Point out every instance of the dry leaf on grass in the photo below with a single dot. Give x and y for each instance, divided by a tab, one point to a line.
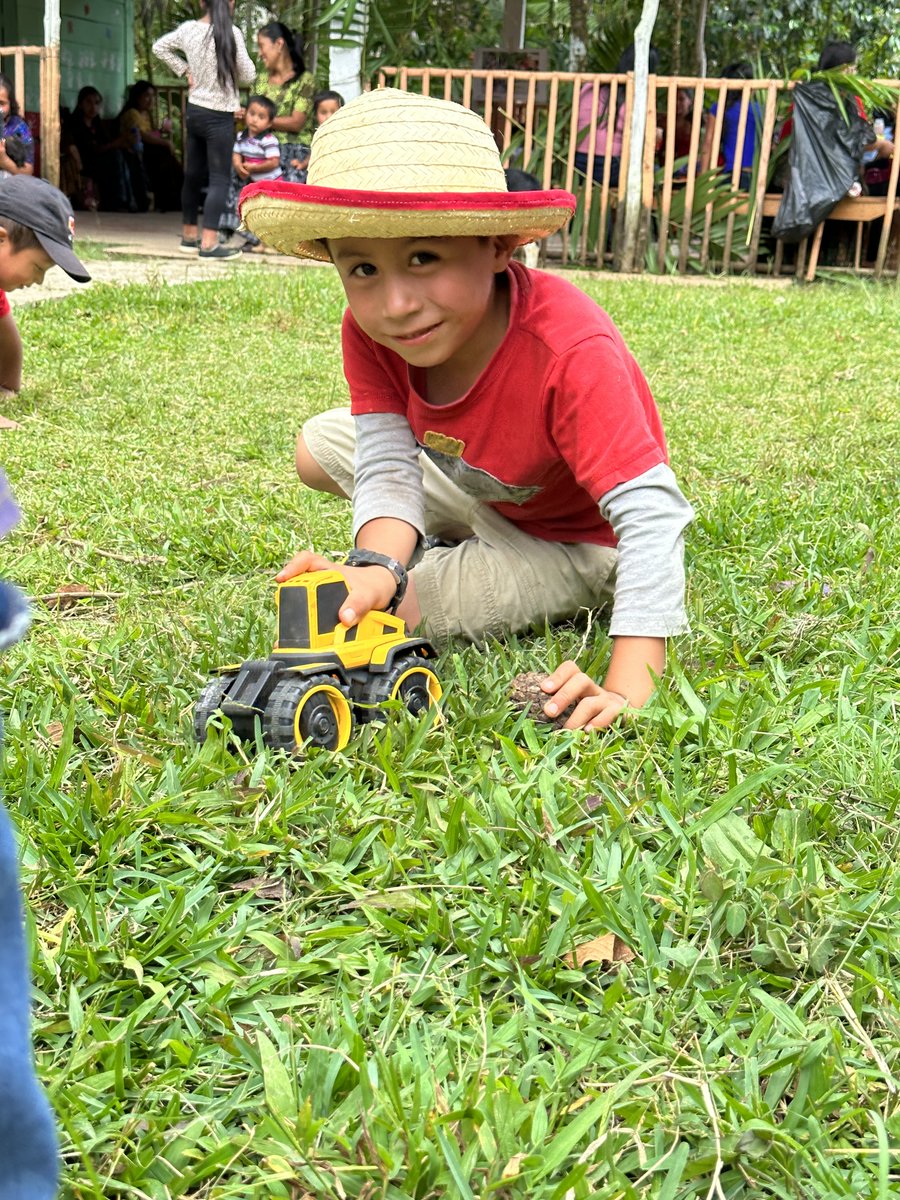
265	888
511	1170
606	949
55	732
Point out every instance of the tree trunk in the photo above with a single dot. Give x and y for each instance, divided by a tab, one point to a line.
578	36
634	214
700	42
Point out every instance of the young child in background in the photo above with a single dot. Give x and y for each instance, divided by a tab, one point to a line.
324	105
492	407
36	231
257	152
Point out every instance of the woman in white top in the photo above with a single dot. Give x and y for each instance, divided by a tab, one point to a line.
212	53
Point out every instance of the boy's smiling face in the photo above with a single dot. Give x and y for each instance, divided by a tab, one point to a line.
433	301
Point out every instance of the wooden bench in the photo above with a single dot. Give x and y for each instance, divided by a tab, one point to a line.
861	209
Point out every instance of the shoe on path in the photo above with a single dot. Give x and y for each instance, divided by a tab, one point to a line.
219	253
189	245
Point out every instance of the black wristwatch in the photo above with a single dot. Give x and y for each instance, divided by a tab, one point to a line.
371	558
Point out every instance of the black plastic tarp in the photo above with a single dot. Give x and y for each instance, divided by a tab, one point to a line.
823	160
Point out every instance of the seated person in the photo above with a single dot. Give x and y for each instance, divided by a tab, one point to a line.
16	142
92	166
728	147
160	171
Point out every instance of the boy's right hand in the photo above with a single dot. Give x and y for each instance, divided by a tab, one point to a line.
370	587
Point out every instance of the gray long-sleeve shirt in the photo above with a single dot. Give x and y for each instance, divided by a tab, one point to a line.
648	515
196	44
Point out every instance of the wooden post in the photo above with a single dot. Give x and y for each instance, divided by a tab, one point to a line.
49	76
513	34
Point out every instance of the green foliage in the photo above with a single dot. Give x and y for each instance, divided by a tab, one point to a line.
346	976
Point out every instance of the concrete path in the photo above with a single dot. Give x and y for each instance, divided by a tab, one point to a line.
141	248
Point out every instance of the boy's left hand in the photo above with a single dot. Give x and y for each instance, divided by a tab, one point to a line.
595	708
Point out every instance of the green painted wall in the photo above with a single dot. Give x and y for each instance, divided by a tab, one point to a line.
96	46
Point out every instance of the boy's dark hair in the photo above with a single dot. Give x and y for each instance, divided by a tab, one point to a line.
20	236
16	150
9	87
264	102
326	95
836	54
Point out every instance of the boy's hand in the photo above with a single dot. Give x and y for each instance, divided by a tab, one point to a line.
370	587
595	708
242	171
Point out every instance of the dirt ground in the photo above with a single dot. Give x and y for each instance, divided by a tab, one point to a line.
141	248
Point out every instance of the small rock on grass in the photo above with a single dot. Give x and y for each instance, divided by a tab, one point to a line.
527	695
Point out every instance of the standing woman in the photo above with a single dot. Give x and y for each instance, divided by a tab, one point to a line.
287	83
283	79
215	60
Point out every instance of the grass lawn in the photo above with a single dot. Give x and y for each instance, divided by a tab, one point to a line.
390	1009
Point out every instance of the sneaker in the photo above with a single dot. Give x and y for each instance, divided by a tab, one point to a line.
220	252
189	245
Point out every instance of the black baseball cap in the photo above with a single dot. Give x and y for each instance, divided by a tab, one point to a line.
43	209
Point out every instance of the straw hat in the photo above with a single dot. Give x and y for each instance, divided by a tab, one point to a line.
394	164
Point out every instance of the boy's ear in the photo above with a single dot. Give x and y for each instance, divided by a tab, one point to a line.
504	247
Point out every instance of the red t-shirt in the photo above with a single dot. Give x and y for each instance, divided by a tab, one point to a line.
560	415
4	304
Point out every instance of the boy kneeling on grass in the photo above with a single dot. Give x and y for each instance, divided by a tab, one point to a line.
36	230
495	411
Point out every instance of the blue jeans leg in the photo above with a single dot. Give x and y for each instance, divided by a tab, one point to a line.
28	1153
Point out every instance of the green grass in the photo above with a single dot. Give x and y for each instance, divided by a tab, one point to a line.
395	1016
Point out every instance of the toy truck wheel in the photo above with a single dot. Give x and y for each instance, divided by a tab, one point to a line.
210	701
415	685
307	712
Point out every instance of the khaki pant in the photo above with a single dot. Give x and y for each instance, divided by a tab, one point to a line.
498	579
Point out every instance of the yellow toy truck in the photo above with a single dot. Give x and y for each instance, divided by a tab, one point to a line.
320	676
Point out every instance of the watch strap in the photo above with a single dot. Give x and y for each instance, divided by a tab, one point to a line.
371	558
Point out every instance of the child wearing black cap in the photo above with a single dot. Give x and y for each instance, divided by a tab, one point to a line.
36	232
37	229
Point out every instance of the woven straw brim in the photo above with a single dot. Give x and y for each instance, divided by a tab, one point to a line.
293	217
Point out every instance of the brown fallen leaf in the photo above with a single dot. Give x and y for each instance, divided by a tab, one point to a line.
55	732
8	423
868	559
605	949
265	888
527	695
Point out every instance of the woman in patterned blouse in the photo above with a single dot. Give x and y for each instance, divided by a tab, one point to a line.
287	83
284	79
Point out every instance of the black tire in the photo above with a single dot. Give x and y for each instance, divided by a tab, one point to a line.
307	712
210	701
409	680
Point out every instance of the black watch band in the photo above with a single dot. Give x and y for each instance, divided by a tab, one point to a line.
371	558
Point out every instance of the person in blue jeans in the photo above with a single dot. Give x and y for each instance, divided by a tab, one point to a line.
28	1153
